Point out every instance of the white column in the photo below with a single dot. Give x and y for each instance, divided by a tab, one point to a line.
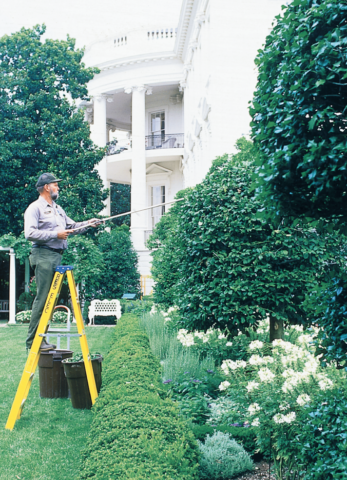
99	137
12	302
138	172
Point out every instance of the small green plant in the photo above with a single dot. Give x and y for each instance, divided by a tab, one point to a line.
78	357
243	434
222	457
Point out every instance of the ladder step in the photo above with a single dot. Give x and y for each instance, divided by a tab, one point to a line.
52	334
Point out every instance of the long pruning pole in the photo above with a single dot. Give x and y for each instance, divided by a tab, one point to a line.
128	213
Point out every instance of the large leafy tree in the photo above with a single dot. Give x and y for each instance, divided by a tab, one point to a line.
120	202
40	128
230	266
299	110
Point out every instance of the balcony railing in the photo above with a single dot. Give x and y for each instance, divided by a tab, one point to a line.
172	140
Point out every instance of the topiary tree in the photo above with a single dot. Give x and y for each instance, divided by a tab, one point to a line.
40	128
299	110
231	267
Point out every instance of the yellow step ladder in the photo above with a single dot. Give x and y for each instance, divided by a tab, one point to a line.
34	354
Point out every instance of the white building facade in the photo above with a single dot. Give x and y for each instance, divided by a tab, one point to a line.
181	94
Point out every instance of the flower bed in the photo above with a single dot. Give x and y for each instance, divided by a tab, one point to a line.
136	431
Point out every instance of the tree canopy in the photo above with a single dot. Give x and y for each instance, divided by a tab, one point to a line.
40	128
230	267
299	110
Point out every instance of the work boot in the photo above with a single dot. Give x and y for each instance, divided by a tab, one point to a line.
47	346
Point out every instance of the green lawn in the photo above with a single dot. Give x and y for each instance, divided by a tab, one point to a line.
46	442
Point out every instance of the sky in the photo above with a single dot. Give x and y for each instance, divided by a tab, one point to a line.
87	20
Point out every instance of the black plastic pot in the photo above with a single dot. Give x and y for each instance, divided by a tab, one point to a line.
53	382
76	376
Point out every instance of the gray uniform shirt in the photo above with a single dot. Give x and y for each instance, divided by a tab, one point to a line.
43	221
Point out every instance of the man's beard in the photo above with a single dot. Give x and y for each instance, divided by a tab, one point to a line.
54	195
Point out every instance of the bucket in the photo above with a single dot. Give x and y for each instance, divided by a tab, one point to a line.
53	382
78	384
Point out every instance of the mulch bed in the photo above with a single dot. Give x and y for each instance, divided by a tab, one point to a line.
260	472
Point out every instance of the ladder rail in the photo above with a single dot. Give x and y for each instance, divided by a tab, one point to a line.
34	354
83	339
42	329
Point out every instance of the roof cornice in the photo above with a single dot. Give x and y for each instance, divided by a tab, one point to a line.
183	26
136	59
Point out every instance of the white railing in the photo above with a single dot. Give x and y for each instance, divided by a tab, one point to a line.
120	42
156	34
161	34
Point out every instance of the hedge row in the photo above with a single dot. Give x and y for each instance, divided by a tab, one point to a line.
136	431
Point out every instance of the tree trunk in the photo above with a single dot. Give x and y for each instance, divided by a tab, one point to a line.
276	329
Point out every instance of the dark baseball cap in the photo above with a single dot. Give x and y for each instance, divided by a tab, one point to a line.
46	178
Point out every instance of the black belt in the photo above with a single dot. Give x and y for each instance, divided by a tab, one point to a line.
56	250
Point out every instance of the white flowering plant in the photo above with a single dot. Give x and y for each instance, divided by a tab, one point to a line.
273	389
212	343
23	317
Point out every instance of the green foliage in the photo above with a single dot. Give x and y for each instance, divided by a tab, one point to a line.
274	391
230	266
298	110
245	436
40	128
322	438
25	301
107	263
19	244
120	274
120	202
222	457
23	317
138	307
136	432
165	247
78	357
330	304
88	261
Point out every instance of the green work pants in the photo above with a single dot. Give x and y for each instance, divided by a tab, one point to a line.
45	262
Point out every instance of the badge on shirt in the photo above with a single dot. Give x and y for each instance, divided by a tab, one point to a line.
47	212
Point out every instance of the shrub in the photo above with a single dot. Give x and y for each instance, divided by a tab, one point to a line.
322	438
245	436
330	312
137	307
232	267
23	317
222	457
25	301
299	111
136	431
273	391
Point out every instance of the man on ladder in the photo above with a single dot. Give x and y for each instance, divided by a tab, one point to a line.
47	226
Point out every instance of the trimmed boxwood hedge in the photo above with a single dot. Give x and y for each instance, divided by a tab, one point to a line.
136	431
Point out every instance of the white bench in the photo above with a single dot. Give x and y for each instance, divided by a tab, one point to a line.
104	308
